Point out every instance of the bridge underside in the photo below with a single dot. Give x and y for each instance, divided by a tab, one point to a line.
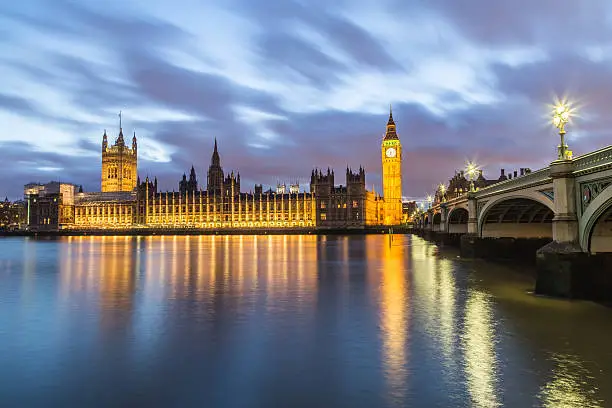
601	235
458	221
518	218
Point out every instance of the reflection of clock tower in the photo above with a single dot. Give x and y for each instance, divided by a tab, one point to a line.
392	174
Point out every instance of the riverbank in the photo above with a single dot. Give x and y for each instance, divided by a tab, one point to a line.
209	231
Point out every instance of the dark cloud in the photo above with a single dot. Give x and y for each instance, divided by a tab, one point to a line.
281	18
16	104
300	57
558	24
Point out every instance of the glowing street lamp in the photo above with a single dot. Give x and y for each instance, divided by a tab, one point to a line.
561	116
471	170
429	199
442	189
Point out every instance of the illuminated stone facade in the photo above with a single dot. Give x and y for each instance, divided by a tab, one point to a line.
391	151
348	206
119	165
127	203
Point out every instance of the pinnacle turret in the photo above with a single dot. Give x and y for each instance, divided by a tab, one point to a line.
391	133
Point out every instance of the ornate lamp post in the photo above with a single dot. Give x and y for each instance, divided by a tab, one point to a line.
429	199
561	116
442	190
471	170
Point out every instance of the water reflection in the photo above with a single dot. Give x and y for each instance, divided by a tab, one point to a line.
479	349
571	385
286	321
446	305
395	316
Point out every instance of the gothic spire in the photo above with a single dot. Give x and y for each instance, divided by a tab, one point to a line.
120	141
104	141
390	121
216	161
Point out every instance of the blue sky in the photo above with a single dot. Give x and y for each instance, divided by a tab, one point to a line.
289	85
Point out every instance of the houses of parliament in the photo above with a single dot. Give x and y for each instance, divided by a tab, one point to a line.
127	202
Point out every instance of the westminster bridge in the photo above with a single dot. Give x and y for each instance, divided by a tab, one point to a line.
560	215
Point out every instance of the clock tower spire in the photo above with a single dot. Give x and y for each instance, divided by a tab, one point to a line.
391	150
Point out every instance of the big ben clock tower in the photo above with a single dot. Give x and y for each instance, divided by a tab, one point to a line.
391	149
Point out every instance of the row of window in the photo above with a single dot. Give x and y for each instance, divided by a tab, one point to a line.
113	173
226	208
354	204
271	217
355	217
93	211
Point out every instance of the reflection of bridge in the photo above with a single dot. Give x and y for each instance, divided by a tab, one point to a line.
563	211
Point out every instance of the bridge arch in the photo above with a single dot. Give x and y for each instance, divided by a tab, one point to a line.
457	222
596	229
426	221
517	216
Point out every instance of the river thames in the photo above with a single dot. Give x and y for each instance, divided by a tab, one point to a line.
287	321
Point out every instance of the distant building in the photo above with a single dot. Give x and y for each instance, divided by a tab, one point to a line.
12	215
408	209
344	206
126	202
460	185
49	206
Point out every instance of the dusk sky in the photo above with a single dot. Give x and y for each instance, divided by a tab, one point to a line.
289	85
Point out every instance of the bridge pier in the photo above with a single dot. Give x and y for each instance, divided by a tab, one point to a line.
565	272
562	265
522	250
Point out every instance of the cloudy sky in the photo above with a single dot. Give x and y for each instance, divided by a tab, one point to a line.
287	85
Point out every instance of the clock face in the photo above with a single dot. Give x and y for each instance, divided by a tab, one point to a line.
391	152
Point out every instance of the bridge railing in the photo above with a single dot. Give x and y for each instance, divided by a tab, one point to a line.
586	162
594	159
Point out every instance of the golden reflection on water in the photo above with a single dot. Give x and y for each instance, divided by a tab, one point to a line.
281	273
479	350
570	386
446	306
106	266
110	267
395	315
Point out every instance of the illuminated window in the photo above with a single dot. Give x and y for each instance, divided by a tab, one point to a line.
355	204
323	205
323	217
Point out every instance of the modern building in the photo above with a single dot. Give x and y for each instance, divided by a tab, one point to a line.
408	209
126	202
12	215
49	206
